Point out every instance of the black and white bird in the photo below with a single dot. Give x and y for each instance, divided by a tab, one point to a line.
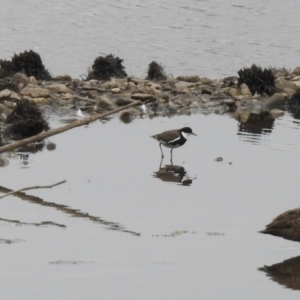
173	138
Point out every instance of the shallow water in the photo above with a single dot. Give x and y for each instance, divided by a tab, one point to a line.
210	38
150	238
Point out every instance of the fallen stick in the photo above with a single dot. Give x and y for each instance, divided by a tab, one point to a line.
58	130
32	188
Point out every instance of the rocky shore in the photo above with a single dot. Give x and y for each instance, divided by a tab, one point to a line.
173	96
27	90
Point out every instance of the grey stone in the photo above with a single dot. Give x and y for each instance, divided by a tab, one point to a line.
181	85
20	78
275	101
143	97
35	92
5	94
104	103
192	78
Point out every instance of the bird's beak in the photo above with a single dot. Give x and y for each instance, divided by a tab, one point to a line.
194	134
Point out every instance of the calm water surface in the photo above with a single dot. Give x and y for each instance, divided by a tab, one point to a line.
119	230
150	238
210	38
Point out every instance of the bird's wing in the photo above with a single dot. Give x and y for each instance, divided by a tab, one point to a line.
168	136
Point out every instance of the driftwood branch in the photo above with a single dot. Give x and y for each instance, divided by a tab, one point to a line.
58	130
32	188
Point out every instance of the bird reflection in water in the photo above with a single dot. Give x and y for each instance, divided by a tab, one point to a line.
286	273
173	173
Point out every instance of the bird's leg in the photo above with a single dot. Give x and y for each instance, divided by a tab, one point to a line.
162	154
161	163
171	160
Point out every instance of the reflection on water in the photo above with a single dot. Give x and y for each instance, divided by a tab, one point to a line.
173	173
65	209
286	273
257	124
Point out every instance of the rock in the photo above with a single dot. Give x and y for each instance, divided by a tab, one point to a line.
67	97
63	77
211	104
39	101
290	92
275	101
192	78
229	102
14	96
182	100
205	98
123	101
152	91
143	97
282	84
104	103
4	111
116	90
206	80
20	79
172	108
245	90
126	116
58	88
10	104
181	85
234	92
194	104
276	113
296	71
206	90
134	80
156	86
166	87
5	94
33	81
297	83
35	92
115	83
296	78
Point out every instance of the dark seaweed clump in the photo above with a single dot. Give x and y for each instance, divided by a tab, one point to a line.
6	84
28	62
156	72
27	120
293	105
106	67
258	80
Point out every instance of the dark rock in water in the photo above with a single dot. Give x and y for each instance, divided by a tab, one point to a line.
106	67
156	72
51	146
258	80
286	225
126	116
26	120
28	62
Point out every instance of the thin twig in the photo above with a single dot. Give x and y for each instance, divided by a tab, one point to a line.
32	188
